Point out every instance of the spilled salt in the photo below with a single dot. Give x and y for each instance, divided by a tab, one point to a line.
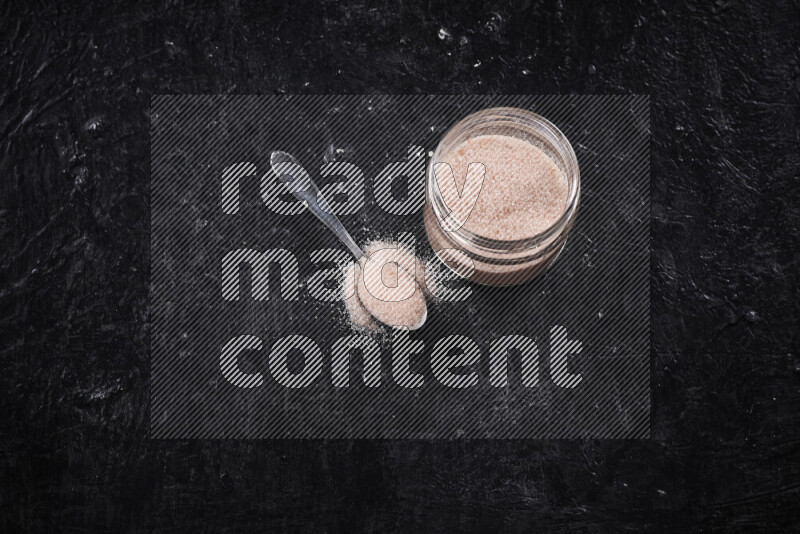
360	318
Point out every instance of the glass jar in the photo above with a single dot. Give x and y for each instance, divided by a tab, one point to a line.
491	261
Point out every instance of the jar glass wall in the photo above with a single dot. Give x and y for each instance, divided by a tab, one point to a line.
492	261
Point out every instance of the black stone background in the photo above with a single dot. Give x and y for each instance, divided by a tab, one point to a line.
724	79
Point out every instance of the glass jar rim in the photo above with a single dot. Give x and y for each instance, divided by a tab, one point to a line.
547	132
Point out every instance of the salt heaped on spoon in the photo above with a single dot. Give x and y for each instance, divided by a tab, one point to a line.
394	257
383	285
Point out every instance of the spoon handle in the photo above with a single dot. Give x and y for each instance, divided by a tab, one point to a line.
290	172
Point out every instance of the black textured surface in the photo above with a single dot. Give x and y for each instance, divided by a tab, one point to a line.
724	83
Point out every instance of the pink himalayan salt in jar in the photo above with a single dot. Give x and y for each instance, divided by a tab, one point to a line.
527	203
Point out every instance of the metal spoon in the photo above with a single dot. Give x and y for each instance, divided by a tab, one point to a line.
290	172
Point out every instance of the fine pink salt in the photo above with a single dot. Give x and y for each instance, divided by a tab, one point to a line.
376	297
523	191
